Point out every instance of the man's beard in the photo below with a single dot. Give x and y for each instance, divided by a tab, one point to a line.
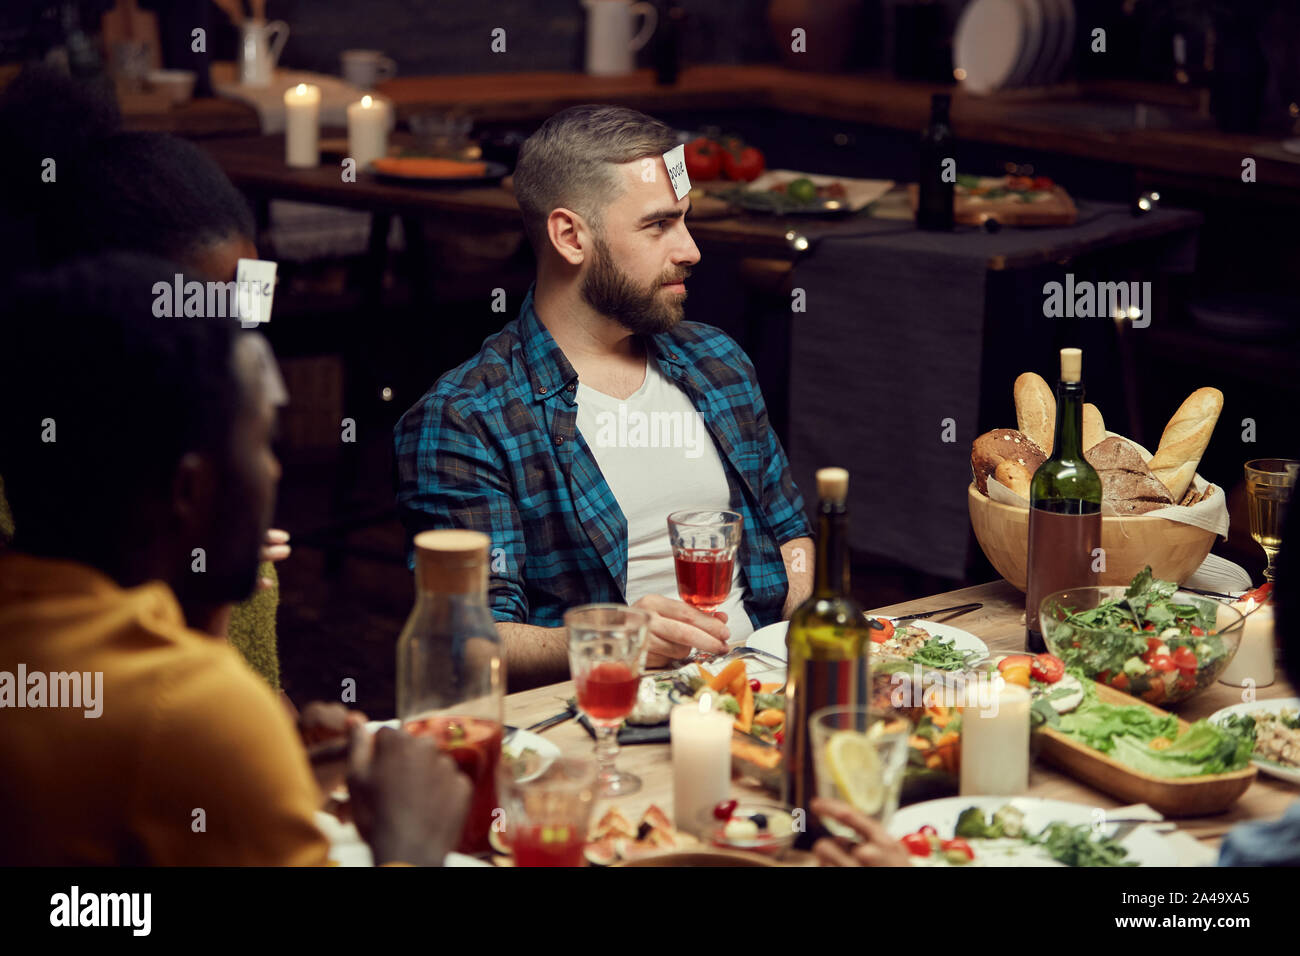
641	310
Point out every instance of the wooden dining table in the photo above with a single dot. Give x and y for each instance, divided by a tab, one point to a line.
1000	624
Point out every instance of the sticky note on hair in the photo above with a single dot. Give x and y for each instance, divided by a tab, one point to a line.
255	287
675	160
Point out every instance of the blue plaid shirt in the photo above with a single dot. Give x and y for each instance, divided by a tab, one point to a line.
494	446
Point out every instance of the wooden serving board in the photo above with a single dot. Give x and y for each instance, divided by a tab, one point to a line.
1057	210
1181	797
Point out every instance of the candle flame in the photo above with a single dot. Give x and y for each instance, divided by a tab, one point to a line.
302	89
366	102
706	703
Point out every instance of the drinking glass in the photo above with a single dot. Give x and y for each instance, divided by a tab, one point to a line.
547	817
859	755
607	648
1269	483
704	555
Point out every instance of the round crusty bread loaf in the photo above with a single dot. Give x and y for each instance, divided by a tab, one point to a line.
1002	444
1127	484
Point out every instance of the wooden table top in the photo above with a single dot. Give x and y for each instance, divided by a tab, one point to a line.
256	165
1000	624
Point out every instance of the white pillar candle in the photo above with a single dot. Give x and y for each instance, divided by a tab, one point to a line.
302	125
367	130
1254	660
701	744
995	744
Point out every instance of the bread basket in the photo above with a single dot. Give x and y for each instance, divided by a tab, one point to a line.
1173	549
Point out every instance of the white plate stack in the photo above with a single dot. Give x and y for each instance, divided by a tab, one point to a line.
1006	44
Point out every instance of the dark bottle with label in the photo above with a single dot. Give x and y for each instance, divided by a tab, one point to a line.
1064	507
828	643
936	184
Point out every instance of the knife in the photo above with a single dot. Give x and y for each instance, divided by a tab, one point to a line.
956	609
549	722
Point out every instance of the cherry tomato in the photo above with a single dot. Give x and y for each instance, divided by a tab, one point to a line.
1103	677
742	162
1185	659
917	844
755	684
1047	668
779	737
1149	627
1120	681
959	845
885	632
1162	662
1043	182
1186	681
703	159
928	830
724	809
1153	643
1197	632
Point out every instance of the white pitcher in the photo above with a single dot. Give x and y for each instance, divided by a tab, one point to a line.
260	44
610	39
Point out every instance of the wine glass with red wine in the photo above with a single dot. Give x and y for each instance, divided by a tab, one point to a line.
704	555
607	648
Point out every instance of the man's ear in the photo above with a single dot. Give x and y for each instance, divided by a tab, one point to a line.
569	235
194	492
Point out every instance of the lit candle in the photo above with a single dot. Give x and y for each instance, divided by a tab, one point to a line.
367	130
1254	660
701	743
302	125
995	744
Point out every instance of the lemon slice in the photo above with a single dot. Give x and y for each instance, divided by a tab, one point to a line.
855	768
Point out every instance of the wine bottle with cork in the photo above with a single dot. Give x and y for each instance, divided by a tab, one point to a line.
828	643
1064	507
450	668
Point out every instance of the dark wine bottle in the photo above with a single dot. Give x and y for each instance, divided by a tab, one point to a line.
1064	507
935	184
668	42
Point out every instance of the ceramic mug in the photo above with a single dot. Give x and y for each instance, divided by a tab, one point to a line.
366	69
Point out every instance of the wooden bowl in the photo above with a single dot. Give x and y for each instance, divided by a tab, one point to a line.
1173	549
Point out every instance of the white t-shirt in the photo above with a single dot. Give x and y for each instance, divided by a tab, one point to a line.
658	457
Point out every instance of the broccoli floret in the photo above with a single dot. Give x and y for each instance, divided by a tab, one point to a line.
971	824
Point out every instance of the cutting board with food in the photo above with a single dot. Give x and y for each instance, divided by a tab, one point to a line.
1010	200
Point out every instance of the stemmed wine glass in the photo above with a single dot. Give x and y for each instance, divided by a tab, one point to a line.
607	648
1269	483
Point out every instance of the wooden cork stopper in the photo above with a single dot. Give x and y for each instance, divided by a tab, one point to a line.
1071	365
451	561
832	484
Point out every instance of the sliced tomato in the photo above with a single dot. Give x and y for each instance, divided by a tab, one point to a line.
1015	660
1185	659
1197	632
886	632
958	845
1260	595
917	844
928	830
1162	662
1047	668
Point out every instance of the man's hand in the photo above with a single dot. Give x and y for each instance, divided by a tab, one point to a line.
323	727
878	847
408	799
676	628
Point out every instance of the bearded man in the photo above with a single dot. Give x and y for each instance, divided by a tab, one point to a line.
581	425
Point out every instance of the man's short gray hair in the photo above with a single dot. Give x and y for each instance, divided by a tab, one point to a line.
568	162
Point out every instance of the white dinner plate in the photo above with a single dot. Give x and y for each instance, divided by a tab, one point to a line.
772	638
1032	48
1053	26
1144	846
1289	774
988	43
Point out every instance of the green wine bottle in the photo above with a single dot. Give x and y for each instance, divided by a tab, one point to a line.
1064	507
828	644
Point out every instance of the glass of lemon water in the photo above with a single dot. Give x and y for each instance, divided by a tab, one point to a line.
859	756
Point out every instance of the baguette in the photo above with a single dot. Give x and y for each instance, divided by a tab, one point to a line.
1184	440
1094	427
1036	410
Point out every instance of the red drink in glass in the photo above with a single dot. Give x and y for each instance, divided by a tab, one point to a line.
704	576
607	692
551	844
475	745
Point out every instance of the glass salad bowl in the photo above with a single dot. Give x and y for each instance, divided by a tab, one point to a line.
1164	646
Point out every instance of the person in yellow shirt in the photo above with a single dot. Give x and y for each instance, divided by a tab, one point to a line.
137	451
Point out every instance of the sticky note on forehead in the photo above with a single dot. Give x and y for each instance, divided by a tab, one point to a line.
675	160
